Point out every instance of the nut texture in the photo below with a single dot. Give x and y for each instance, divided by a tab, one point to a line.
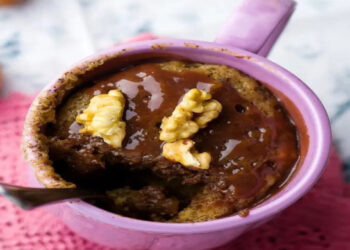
180	124
103	118
183	151
176	129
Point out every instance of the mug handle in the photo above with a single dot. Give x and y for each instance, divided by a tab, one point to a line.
256	25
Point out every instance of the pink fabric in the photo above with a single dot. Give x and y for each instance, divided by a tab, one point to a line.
1	77
320	220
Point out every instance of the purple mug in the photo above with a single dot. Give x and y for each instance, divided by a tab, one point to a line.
242	44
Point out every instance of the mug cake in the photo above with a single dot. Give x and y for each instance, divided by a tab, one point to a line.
169	141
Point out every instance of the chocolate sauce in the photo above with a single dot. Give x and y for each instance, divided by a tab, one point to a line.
245	144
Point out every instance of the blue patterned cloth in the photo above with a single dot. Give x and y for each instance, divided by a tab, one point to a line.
40	38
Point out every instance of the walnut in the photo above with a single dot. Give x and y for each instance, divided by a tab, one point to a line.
180	124
176	129
183	151
103	118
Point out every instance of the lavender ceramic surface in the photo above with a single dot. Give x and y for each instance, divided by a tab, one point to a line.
117	231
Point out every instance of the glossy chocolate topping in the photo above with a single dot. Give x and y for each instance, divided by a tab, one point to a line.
253	149
244	143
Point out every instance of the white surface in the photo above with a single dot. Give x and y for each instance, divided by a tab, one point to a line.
41	38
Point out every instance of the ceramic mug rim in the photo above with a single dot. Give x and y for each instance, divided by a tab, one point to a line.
213	50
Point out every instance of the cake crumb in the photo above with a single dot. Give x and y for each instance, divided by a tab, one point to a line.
243	213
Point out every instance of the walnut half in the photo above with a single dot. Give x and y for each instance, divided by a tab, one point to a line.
177	128
183	151
180	124
103	118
